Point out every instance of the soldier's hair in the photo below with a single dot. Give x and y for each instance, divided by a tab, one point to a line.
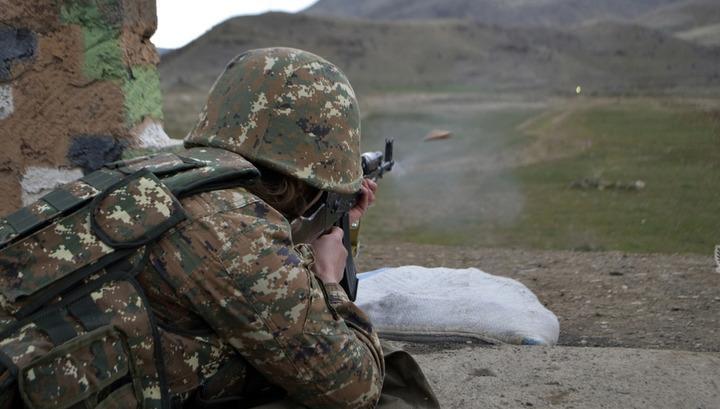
285	194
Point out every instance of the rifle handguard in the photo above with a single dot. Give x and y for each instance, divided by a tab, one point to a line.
349	281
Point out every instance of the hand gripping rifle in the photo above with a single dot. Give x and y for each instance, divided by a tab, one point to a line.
333	210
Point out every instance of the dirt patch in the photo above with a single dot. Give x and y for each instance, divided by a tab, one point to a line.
548	135
603	299
572	378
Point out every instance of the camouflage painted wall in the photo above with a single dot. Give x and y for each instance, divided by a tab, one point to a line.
78	85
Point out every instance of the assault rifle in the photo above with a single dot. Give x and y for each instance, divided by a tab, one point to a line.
332	210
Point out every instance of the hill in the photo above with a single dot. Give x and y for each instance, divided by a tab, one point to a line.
605	58
692	20
502	12
459	55
683	15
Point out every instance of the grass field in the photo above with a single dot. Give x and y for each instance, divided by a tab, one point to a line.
504	178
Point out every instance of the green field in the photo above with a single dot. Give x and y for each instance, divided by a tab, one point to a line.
504	177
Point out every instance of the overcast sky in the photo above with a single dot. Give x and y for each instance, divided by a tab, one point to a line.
181	21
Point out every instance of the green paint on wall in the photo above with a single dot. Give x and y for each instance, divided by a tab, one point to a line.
142	94
100	21
103	55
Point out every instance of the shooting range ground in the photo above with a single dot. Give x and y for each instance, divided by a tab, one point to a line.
636	175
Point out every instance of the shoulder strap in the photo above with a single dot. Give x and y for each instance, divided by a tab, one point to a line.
185	173
76	230
60	201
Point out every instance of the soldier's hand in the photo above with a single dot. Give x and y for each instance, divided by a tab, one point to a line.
330	256
367	198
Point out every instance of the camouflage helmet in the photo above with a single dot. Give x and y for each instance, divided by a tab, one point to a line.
289	110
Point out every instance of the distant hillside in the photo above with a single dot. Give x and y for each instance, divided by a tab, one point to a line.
503	12
459	55
692	20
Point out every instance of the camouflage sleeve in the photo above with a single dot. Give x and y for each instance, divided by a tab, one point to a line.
266	303
355	318
340	303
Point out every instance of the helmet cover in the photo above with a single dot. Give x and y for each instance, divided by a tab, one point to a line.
289	110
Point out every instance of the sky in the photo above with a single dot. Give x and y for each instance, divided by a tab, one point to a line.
181	21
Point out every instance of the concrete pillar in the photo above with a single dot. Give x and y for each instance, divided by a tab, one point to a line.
78	85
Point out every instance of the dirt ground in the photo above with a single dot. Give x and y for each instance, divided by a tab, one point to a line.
602	299
572	378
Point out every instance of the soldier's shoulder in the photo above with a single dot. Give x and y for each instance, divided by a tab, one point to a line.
215	202
233	219
234	205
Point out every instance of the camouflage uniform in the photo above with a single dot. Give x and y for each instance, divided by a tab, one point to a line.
232	268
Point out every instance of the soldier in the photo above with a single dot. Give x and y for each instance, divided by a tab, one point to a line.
236	298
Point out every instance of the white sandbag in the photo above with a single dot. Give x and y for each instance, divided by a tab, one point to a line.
425	304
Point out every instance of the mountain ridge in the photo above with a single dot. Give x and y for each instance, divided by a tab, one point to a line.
502	12
609	57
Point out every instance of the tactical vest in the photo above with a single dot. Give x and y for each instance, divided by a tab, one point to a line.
76	330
